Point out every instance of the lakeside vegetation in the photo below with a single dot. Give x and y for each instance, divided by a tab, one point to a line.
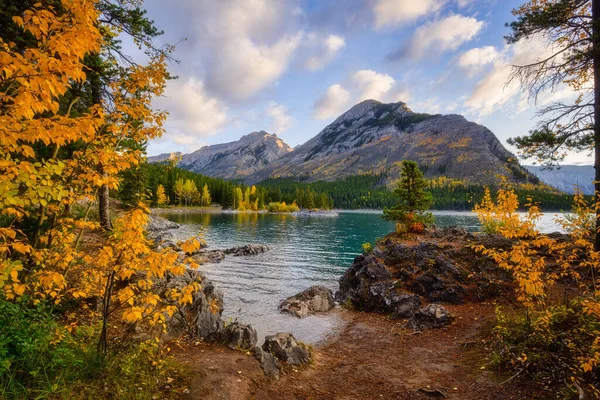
165	184
370	192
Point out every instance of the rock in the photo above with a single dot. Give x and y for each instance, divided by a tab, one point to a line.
160	224
200	319
216	256
270	365
247	250
430	316
313	300
356	282
286	349
239	336
209	256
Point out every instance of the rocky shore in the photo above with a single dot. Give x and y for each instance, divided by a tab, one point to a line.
417	281
202	319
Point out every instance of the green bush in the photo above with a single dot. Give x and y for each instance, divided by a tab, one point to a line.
40	358
37	355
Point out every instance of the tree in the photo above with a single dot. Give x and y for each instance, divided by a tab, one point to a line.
179	190
205	200
189	191
410	213
571	28
50	149
161	197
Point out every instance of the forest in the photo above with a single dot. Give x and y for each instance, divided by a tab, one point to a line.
370	192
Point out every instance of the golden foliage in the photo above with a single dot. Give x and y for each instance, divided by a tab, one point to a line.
527	261
48	264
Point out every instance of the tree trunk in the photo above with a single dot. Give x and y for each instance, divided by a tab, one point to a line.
596	58
104	207
103	192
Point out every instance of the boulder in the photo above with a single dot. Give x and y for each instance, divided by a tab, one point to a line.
239	336
247	250
313	300
209	256
430	316
270	365
356	282
201	318
160	224
286	349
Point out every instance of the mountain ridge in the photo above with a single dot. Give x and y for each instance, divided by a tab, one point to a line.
233	160
370	137
373	137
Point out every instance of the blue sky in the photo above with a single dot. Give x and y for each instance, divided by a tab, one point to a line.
291	67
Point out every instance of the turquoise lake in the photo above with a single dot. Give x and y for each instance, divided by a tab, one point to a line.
304	251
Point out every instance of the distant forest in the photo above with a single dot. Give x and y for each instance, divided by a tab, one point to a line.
354	192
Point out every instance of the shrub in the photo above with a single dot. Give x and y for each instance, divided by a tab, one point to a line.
282	207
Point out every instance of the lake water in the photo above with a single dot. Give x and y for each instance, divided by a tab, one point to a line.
304	251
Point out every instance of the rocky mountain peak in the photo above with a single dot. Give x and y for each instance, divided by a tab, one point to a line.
374	137
236	159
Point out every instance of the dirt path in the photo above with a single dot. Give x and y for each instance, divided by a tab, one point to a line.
370	358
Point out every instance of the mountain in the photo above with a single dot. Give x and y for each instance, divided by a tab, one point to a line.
235	160
375	137
566	177
164	157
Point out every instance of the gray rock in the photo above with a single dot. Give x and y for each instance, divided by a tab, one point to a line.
160	224
356	282
430	316
247	250
239	336
270	365
286	349
200	319
313	300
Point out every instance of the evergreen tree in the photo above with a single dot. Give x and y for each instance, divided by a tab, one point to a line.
571	27
410	213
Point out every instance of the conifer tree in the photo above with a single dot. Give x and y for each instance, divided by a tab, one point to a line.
411	213
571	29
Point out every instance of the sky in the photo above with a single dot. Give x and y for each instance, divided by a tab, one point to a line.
291	67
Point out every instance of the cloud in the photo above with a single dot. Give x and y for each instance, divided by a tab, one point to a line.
474	59
281	120
391	13
495	91
240	68
370	85
321	50
434	38
237	47
331	104
192	112
361	85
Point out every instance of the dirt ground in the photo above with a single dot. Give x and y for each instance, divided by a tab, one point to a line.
370	357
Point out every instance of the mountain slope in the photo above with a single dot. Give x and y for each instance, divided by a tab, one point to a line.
566	177
375	137
236	160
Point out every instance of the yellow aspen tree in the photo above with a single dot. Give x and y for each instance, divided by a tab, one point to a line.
161	197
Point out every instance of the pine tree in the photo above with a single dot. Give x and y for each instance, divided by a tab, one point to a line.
411	213
571	28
